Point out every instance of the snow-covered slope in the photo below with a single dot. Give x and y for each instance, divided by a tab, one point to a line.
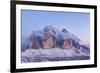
54	54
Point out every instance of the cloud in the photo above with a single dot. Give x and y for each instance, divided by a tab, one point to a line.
86	39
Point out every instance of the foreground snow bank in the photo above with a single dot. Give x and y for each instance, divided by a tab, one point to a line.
54	54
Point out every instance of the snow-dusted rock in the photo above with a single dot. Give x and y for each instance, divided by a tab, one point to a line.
53	54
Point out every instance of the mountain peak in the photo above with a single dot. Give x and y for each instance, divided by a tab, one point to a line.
64	30
48	28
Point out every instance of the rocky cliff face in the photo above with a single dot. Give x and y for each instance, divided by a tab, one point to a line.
51	44
51	37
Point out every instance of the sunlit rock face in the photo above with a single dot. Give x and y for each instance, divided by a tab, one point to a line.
49	43
51	37
67	44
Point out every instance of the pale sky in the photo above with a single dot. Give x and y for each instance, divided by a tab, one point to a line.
75	22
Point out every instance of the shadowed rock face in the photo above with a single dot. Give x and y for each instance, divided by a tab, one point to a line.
34	42
76	44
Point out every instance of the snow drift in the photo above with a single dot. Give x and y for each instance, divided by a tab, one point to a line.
54	54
